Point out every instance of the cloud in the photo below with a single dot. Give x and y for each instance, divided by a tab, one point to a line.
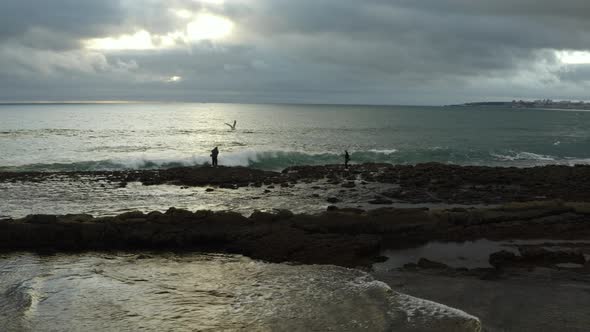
343	51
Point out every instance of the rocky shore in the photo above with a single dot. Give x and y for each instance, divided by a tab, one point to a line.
346	237
351	218
422	183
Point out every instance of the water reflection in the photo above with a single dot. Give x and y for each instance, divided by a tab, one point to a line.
187	292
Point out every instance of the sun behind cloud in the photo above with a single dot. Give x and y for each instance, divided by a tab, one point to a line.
209	27
202	26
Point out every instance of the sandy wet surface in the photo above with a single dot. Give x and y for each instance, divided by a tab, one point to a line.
542	300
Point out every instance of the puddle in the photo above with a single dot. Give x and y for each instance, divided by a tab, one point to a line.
470	254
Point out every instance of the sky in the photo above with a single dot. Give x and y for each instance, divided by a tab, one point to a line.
409	52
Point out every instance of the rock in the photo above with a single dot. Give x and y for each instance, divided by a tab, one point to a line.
541	256
428	264
179	214
491	274
209	190
536	256
332	208
380	201
267	191
40	219
380	259
332	200
502	258
352	210
76	218
154	216
131	215
284	214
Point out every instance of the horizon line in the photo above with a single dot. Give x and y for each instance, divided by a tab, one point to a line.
115	102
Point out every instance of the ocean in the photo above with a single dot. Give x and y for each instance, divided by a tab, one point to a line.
82	137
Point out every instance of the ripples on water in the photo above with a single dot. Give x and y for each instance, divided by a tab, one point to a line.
92	137
91	195
171	292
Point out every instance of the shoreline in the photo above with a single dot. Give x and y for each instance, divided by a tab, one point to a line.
346	237
414	184
403	207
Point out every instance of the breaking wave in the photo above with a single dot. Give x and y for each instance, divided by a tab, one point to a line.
279	160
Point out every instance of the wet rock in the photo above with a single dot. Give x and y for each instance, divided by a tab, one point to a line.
541	256
428	264
352	210
40	219
75	218
209	190
332	200
131	215
309	238
332	208
380	201
536	257
490	274
502	258
381	259
154	216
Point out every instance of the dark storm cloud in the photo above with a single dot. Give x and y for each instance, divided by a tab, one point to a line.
70	18
428	51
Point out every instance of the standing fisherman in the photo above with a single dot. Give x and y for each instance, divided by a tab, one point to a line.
214	154
346	158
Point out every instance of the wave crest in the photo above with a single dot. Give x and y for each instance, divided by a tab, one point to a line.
278	160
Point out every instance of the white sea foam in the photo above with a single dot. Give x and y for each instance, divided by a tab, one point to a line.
523	156
384	151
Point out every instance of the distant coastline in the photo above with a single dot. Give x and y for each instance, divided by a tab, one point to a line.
539	104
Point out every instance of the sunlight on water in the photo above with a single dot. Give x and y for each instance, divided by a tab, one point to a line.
170	292
115	136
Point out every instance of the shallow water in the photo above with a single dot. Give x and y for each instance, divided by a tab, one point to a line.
172	292
100	198
468	254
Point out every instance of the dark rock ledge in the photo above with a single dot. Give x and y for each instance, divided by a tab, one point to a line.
422	183
343	237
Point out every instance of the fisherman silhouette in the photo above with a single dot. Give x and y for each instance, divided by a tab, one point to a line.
233	127
346	158
214	154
